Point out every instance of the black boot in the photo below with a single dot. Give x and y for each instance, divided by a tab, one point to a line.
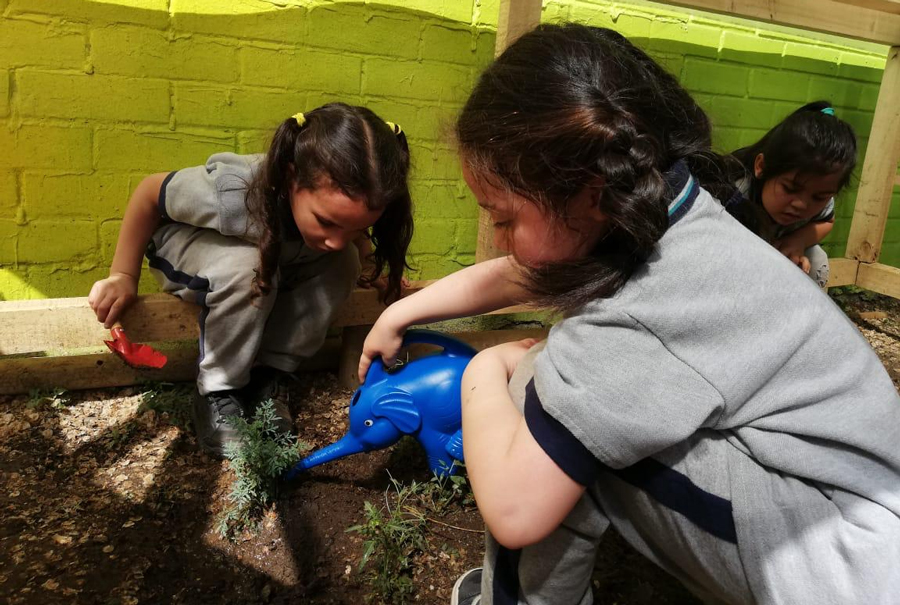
211	413
269	383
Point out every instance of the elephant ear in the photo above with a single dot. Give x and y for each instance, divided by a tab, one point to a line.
398	407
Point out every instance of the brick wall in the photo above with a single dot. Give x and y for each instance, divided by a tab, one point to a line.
95	95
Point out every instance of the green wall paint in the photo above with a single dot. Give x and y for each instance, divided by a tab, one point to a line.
95	95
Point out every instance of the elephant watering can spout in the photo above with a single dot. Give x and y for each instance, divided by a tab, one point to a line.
345	446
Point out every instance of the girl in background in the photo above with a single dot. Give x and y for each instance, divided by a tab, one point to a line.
790	178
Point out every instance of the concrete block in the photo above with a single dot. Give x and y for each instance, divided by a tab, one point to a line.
28	43
434	237
300	70
779	85
57	241
741	113
454	45
702	75
203	105
46	94
372	33
94	197
245	20
149	53
151	151
9	195
751	49
413	80
4	93
44	146
810	58
857	66
8	234
841	93
676	36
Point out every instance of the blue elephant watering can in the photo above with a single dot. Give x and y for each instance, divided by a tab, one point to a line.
420	398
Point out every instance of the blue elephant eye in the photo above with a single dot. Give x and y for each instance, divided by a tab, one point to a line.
368	423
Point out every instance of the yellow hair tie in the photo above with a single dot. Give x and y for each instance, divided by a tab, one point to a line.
395	128
301	119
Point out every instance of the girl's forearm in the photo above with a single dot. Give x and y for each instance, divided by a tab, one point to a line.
480	288
813	233
140	221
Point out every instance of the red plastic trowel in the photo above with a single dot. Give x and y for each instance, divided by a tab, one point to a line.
135	355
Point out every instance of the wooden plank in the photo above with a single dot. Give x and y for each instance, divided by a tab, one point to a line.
879	278
516	18
879	169
99	370
842	272
36	326
897	181
829	16
886	6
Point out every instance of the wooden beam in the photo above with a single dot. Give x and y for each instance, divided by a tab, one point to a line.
879	169
885	6
842	272
879	278
97	370
516	18
828	16
56	324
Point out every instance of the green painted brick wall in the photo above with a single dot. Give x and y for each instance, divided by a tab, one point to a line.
96	94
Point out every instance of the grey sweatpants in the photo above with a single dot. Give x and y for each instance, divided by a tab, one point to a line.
279	330
807	547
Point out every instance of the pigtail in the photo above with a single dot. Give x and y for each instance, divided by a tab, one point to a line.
267	194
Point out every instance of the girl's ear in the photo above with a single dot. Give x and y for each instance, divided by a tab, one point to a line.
759	165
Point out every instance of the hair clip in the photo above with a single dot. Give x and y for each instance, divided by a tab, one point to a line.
301	119
395	128
828	111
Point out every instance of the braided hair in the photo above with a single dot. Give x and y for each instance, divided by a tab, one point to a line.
358	153
568	106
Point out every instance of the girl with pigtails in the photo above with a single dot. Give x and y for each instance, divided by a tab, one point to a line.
269	246
699	393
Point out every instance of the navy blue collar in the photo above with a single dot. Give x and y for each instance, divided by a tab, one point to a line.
683	190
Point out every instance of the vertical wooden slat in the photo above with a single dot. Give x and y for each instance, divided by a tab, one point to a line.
516	18
880	168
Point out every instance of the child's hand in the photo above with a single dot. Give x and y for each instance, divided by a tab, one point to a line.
794	250
111	296
385	341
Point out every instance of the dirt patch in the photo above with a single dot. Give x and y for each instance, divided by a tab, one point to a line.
106	500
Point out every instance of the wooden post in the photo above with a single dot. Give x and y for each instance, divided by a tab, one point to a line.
352	341
879	170
516	18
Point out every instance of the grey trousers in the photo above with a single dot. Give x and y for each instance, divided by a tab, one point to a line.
278	330
803	547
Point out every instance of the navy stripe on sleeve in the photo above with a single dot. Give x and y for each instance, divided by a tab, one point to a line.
162	195
564	449
667	486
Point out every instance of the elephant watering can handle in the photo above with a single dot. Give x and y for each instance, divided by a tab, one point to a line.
452	346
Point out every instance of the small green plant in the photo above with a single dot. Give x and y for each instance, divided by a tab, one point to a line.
394	535
55	398
258	462
169	400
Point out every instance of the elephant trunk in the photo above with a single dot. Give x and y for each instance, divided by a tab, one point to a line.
346	446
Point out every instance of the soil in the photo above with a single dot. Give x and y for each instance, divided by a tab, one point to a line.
106	499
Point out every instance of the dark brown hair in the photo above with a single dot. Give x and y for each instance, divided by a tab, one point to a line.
358	153
568	106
